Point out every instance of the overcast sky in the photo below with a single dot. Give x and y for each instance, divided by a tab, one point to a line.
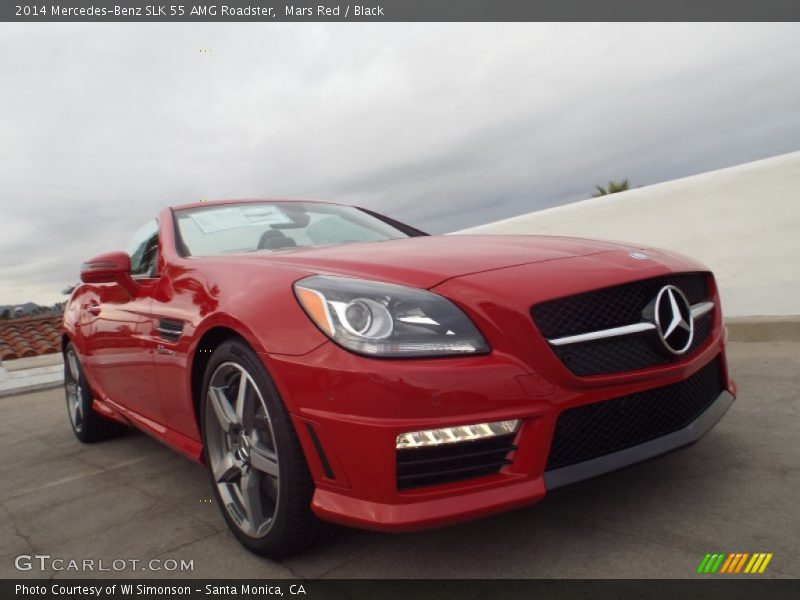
443	126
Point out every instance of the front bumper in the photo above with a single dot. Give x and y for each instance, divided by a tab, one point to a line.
348	411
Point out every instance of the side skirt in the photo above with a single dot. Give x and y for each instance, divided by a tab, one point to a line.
187	446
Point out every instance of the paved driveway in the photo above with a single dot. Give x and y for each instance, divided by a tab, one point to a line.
734	491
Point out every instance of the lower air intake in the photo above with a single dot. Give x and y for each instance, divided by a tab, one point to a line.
593	430
417	467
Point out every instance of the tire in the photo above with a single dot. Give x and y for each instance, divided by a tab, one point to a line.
87	424
257	468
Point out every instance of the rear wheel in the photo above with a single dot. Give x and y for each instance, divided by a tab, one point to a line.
87	424
258	471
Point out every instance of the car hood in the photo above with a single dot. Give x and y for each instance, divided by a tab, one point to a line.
429	260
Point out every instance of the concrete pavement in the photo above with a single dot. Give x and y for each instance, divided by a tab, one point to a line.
132	498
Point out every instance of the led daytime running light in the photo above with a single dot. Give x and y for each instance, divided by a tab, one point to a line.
454	435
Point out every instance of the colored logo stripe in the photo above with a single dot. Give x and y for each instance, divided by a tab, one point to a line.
758	563
735	562
711	563
726	565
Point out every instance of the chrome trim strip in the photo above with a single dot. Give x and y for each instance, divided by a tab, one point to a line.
702	309
698	310
173	334
603	333
616	460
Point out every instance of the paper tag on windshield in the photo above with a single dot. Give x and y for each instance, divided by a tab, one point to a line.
239	217
265	214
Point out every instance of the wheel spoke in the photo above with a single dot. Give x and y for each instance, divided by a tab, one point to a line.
78	404
74	401
222	408
251	499
72	362
264	460
241	399
271	489
73	409
227	469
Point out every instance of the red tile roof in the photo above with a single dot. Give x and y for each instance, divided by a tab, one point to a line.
30	336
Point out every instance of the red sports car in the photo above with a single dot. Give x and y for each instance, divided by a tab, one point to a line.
329	364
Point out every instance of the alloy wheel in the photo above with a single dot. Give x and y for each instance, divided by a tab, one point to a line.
242	451
74	391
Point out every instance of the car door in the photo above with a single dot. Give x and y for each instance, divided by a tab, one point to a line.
122	342
180	302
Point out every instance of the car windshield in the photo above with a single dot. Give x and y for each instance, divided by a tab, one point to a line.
247	227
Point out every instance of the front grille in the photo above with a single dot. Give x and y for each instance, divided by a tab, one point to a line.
417	467
614	307
627	353
593	430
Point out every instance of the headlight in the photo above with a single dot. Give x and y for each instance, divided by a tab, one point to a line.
381	319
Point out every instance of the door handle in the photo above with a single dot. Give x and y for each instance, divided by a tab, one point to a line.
94	308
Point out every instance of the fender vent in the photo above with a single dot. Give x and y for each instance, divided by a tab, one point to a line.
169	330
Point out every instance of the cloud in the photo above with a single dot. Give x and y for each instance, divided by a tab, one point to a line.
442	125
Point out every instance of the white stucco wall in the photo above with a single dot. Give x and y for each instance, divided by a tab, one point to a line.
743	222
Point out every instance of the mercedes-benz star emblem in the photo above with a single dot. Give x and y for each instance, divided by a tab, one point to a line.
673	319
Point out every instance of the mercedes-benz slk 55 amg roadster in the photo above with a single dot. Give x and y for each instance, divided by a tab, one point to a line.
332	365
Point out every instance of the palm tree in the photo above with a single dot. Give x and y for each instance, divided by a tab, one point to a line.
613	188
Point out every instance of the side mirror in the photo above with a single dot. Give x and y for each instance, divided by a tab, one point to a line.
112	267
105	268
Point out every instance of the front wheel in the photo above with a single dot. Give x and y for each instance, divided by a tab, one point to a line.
258	471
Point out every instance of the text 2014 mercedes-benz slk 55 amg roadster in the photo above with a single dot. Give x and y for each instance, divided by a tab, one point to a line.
332	365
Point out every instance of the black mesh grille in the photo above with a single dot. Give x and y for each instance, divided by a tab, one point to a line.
628	353
418	467
614	307
589	431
